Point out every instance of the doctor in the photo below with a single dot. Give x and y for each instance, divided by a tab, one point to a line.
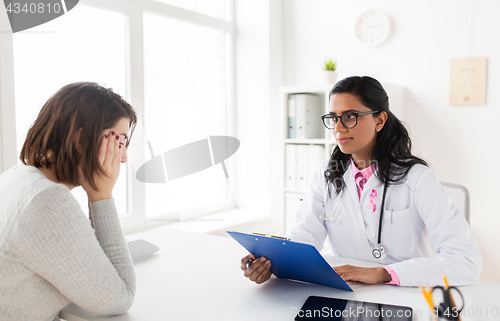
377	202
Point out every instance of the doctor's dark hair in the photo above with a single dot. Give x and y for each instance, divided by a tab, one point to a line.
392	150
84	106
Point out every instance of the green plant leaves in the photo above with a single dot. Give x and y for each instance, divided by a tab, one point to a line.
330	65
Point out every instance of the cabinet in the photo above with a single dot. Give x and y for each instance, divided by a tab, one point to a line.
305	142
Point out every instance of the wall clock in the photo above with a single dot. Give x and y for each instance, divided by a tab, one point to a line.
373	27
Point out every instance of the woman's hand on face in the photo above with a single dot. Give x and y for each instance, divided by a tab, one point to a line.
363	274
259	271
110	159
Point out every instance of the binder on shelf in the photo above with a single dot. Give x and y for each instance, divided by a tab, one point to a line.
291	166
308	110
302	168
291	117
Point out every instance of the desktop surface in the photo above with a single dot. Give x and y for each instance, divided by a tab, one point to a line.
198	277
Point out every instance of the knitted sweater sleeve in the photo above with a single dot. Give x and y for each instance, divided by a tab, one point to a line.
90	266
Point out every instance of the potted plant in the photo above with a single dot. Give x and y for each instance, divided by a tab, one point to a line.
329	72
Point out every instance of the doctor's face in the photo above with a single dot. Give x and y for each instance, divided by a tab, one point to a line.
359	140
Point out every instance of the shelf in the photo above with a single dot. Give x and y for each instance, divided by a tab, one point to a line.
308	141
306	89
307	153
294	191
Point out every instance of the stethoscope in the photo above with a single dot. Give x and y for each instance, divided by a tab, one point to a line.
378	251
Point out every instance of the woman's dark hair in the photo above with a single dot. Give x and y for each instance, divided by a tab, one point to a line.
50	139
392	150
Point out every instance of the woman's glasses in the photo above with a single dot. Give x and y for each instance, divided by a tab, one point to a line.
348	119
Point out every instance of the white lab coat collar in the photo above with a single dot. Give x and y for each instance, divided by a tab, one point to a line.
353	192
350	185
372	183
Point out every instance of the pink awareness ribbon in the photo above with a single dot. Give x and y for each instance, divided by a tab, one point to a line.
373	197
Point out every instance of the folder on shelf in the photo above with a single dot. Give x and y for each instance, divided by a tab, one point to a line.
302	168
308	110
291	117
291	166
292	260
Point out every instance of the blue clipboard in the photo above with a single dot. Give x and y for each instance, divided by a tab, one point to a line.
292	260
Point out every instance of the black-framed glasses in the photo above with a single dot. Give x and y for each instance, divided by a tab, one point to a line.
348	119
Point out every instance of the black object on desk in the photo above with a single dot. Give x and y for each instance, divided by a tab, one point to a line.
318	308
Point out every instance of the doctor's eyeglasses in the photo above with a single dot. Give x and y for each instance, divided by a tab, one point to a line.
348	119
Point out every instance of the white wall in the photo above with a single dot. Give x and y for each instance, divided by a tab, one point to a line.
253	110
7	112
259	74
460	143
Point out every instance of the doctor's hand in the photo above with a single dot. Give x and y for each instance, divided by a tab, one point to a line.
258	271
363	274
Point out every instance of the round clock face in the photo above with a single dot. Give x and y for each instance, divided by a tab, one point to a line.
373	27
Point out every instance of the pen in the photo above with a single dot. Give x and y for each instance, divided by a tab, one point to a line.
250	262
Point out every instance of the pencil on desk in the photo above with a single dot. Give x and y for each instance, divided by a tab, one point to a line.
428	297
446	286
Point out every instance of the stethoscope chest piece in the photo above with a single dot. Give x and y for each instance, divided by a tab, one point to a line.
379	252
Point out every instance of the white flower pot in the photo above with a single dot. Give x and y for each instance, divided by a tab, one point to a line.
329	77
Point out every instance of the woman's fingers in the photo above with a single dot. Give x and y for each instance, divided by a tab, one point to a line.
362	274
117	158
112	159
110	151
254	266
245	260
257	268
119	147
344	270
264	273
102	148
258	271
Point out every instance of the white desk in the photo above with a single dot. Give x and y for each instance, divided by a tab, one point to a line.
198	277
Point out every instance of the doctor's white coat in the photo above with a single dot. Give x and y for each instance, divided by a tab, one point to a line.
423	232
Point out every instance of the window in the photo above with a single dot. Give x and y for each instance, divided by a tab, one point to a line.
67	50
214	8
171	59
185	101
